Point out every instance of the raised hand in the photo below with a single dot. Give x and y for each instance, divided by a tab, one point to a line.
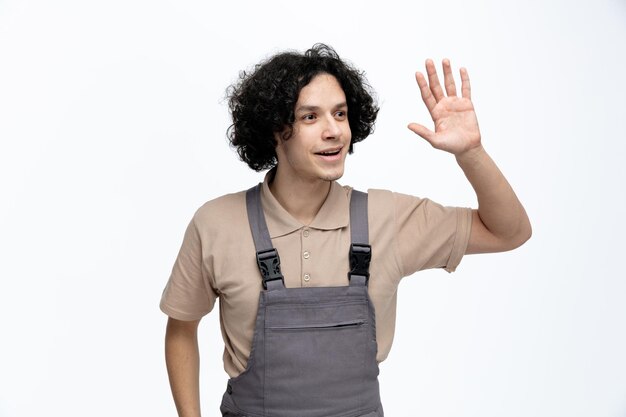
456	126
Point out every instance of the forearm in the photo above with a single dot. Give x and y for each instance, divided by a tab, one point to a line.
183	362
499	209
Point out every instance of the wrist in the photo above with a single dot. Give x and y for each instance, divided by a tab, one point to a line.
471	155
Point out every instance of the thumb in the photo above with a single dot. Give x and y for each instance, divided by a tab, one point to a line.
422	131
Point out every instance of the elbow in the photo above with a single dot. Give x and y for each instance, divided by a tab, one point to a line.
528	232
514	234
524	233
527	229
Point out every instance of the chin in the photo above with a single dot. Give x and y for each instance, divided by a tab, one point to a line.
332	176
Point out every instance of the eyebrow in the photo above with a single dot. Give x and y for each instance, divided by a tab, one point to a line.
316	108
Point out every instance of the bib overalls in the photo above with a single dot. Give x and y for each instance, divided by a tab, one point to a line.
314	349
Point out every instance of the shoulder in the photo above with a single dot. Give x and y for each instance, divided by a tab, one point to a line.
385	201
400	212
375	195
405	203
221	212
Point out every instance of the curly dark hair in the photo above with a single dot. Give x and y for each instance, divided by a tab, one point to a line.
262	102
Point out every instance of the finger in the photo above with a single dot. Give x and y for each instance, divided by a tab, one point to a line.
427	96
422	131
466	89
433	80
448	79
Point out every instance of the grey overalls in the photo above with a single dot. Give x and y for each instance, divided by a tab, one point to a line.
314	349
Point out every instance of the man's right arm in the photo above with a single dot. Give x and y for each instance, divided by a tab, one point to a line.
183	362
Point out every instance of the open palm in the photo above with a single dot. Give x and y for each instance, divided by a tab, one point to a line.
456	126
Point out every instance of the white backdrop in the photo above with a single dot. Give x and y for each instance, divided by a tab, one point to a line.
112	130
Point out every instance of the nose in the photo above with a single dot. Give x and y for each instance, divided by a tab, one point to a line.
332	130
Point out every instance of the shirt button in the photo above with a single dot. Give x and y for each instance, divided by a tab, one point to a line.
307	277
305	233
306	255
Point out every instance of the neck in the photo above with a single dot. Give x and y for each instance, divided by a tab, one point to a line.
302	199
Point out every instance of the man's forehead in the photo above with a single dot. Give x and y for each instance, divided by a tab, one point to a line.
322	91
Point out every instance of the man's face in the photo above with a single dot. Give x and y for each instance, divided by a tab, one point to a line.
321	134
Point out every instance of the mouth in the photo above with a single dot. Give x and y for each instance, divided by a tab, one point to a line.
329	152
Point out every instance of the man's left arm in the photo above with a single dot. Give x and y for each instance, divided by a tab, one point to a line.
500	223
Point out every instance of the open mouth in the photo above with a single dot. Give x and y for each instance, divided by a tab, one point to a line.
329	152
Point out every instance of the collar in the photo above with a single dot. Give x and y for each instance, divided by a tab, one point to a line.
334	213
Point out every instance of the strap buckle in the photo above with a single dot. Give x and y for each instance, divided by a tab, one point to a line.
269	265
360	257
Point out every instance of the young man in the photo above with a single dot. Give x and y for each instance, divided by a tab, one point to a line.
307	270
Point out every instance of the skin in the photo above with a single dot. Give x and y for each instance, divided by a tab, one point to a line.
500	223
183	365
303	178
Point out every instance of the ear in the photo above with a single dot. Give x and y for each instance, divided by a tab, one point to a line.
279	149
278	137
283	136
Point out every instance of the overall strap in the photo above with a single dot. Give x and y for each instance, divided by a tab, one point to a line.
360	250
266	256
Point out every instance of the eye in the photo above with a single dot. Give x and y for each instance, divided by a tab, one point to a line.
341	114
308	117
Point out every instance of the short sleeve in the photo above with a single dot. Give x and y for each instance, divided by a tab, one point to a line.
188	294
430	235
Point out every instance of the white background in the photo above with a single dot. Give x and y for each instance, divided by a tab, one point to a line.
112	129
